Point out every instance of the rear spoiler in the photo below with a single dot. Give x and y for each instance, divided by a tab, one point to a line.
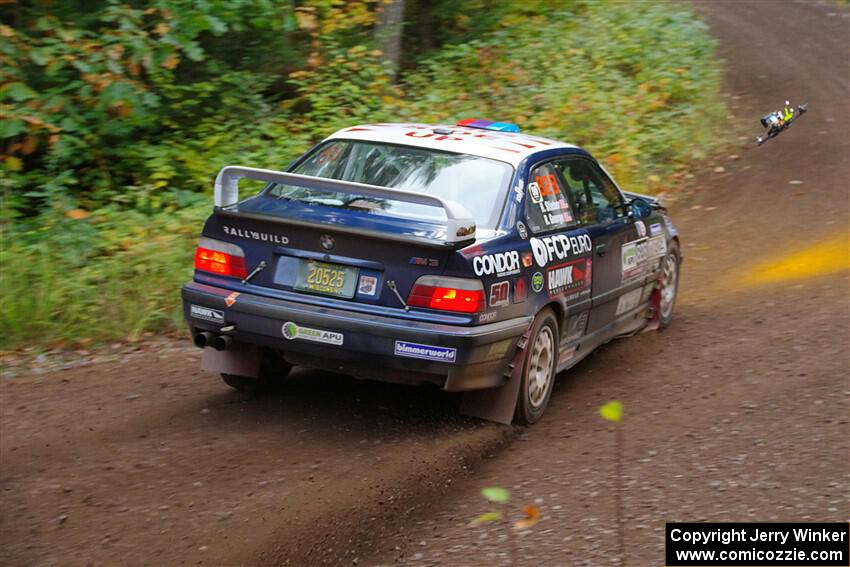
460	225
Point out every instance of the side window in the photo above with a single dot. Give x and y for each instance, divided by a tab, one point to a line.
547	206
597	200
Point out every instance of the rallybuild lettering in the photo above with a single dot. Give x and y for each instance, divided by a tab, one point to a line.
426	352
560	247
291	331
255	235
502	264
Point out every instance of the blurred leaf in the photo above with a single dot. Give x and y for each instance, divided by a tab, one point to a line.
77	214
18	92
13	163
612	411
532	514
486	518
495	494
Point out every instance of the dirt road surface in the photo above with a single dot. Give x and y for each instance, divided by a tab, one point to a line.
739	411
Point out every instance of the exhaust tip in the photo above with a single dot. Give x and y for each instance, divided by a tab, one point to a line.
221	342
202	339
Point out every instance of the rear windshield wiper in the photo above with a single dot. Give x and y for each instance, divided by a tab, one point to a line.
260	267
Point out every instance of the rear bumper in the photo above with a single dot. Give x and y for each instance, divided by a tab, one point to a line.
372	346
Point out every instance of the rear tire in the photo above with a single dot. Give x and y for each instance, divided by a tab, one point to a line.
273	369
538	370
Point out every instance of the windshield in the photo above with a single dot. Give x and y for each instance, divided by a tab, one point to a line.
477	183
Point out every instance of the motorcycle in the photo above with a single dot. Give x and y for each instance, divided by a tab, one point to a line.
776	123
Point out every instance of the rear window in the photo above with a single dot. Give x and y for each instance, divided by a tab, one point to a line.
477	183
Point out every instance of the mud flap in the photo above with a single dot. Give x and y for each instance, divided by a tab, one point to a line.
654	322
497	404
241	360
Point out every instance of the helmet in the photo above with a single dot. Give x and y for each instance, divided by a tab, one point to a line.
787	103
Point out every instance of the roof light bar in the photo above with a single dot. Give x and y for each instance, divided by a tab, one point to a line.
488	125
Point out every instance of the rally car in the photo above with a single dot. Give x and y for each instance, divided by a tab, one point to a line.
470	256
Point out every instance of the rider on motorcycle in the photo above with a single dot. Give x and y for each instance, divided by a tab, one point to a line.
776	120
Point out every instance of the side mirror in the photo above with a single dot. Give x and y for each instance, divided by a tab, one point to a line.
640	208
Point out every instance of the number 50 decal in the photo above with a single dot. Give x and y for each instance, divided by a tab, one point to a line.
500	294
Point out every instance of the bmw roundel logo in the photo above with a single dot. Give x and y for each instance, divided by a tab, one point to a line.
327	242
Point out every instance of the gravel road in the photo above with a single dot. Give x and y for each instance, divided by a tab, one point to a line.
739	411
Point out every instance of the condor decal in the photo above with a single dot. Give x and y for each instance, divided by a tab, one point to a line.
502	264
560	247
569	280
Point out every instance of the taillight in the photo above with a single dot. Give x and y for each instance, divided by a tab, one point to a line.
221	258
448	294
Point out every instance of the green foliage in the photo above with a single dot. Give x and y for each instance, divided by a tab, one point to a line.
635	83
115	118
113	273
88	82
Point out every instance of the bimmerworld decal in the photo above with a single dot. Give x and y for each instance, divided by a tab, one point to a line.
427	352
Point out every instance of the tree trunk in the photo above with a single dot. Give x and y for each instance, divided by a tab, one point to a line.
388	31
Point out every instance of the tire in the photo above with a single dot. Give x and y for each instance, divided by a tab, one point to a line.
273	369
669	289
539	366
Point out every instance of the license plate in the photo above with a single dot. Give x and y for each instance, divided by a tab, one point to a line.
329	279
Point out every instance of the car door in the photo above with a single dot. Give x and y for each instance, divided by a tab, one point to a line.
561	248
601	210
